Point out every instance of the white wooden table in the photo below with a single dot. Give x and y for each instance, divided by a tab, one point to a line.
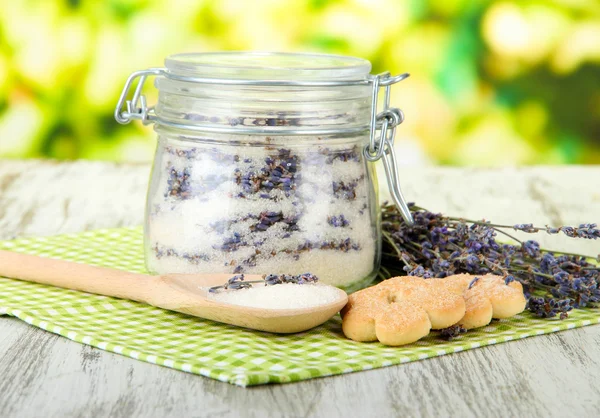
552	376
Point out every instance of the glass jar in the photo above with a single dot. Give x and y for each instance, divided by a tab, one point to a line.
262	165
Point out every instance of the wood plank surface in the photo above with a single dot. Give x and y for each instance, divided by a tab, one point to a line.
550	376
44	375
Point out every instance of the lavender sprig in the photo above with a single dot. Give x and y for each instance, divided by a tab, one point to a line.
588	231
237	282
440	246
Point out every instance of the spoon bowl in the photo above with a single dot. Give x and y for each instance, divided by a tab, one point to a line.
185	293
201	304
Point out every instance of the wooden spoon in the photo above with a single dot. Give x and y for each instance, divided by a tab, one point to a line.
186	293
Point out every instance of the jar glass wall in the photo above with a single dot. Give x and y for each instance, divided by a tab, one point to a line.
262	204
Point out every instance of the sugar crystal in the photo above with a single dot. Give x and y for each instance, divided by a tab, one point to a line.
280	296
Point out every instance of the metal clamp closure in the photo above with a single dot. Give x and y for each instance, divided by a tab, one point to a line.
382	146
127	110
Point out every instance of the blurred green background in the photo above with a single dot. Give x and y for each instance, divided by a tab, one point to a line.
493	83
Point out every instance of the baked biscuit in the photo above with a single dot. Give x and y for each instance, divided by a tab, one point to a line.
486	297
400	311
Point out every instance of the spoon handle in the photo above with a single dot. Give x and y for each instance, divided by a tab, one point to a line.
77	276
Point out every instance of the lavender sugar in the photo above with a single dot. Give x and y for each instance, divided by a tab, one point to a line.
262	208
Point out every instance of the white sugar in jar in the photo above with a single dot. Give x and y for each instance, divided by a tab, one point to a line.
263	165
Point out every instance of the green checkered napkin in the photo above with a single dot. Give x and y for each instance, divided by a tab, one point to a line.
222	352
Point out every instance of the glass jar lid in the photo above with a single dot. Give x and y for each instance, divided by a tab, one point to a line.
268	66
265	93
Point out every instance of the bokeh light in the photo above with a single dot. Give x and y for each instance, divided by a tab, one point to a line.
493	83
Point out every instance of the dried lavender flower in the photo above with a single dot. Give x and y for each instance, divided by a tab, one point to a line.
237	282
525	228
452	332
549	307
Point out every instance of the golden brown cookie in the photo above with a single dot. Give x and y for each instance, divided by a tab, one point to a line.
486	297
400	311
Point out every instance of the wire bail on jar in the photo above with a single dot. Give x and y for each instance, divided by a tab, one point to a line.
382	147
379	147
132	109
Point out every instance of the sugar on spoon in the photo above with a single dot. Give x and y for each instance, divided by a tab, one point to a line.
186	293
